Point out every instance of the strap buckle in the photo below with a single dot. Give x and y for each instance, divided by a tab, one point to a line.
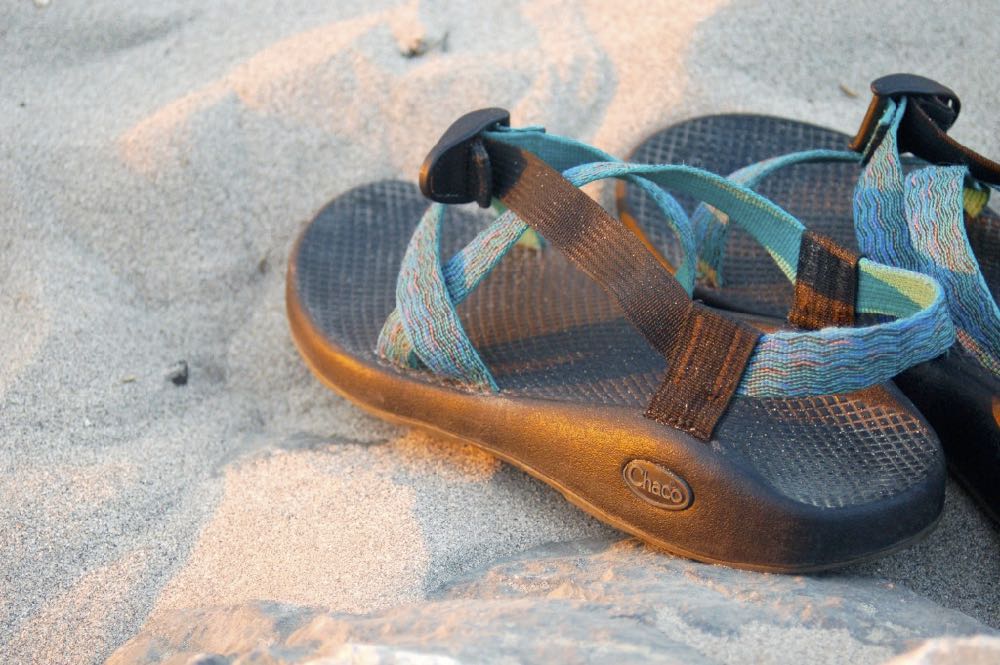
939	101
457	169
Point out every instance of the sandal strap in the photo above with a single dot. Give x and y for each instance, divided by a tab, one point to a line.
913	221
704	372
563	153
473	263
938	234
826	284
705	368
793	363
930	111
706	352
916	221
426	310
711	227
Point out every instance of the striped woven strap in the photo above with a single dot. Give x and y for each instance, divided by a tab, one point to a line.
832	360
916	221
431	306
785	363
702	381
911	221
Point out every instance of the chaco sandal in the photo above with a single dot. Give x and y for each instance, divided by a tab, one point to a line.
580	359
906	214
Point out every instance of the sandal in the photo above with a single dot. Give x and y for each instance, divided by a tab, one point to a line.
576	356
932	220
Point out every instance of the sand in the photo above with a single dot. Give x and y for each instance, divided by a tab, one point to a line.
156	162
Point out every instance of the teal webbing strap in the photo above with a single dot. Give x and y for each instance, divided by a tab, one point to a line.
711	227
832	360
916	221
786	363
449	349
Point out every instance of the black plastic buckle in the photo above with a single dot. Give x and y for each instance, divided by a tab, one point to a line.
943	107
457	169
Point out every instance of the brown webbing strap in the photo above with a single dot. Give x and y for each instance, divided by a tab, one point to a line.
706	352
826	284
703	372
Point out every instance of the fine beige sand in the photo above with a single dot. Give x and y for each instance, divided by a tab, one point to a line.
156	163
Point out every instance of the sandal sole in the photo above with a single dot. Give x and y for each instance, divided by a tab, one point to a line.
736	517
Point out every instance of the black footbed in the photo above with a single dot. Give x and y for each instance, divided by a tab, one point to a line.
821	196
553	338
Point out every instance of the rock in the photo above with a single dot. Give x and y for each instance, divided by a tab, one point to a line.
618	603
978	650
178	373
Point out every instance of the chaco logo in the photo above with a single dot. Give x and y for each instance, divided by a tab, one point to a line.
657	485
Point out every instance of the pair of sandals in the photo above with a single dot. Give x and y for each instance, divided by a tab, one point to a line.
755	424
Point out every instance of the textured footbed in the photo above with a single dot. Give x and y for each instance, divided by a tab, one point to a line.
821	195
548	332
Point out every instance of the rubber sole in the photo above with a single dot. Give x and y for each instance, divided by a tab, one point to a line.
572	497
573	417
